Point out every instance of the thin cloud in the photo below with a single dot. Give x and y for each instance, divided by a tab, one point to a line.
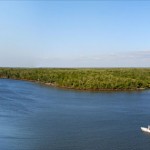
121	59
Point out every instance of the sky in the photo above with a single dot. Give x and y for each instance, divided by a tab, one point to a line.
82	33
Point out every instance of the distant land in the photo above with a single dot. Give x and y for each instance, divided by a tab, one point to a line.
94	79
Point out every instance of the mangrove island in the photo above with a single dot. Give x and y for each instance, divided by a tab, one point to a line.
84	78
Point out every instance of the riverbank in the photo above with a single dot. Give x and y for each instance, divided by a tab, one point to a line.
84	79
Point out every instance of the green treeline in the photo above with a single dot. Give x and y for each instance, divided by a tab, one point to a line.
84	79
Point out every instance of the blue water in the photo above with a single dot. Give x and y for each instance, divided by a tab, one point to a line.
38	117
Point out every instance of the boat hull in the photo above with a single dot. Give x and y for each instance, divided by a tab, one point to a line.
145	129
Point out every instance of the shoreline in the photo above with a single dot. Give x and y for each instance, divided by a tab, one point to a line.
93	90
76	89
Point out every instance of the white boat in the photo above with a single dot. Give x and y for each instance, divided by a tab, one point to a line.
146	129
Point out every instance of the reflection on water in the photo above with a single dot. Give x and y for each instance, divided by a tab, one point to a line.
37	117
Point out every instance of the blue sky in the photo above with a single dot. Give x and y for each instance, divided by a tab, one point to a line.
75	33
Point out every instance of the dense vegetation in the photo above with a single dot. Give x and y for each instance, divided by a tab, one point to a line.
84	79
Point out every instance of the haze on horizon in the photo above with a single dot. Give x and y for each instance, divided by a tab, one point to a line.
74	34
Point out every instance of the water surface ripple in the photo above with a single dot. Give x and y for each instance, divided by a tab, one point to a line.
38	117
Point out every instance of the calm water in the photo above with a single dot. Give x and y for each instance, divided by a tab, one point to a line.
37	117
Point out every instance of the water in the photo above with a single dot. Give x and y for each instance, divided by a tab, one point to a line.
38	117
